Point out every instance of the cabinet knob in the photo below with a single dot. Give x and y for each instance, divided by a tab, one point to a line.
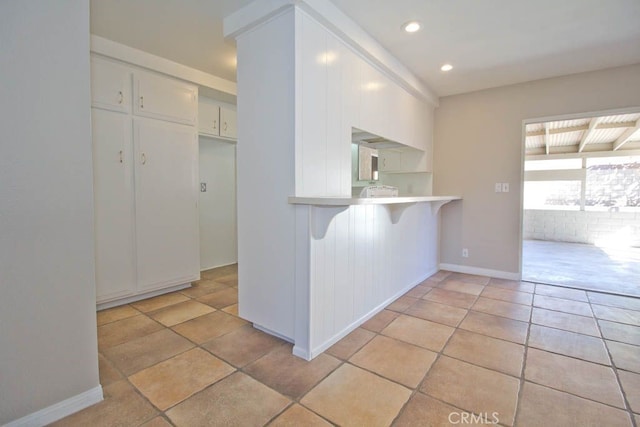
215	124
144	159
225	126
120	97
121	156
142	102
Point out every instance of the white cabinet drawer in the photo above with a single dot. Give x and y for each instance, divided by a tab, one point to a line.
165	98
110	85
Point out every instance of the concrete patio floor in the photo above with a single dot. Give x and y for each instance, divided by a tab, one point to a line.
603	269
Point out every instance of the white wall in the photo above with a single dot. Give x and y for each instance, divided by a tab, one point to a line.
591	227
478	142
218	225
48	345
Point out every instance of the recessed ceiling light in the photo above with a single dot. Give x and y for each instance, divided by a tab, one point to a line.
447	67
411	26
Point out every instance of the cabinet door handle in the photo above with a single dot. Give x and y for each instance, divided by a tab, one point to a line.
144	159
225	126
142	102
215	124
121	157
120	97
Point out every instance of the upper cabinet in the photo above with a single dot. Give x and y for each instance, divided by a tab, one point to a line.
216	120
165	98
110	85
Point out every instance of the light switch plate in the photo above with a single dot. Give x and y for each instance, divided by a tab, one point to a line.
505	187
203	187
498	187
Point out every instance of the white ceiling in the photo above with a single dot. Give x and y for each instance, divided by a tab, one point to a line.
490	42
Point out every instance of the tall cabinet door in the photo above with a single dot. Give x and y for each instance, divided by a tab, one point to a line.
166	176
113	204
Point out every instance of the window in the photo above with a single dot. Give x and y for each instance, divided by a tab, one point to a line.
613	184
556	195
555	164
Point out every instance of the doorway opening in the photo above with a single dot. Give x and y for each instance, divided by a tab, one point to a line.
581	202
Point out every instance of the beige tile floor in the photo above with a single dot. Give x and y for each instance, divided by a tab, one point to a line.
455	350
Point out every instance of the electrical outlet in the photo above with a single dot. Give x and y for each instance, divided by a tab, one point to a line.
498	187
465	253
203	187
505	187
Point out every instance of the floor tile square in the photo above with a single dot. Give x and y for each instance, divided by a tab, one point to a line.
568	322
108	373
175	379
202	288
563	305
507	295
438	313
495	326
620	315
503	308
473	388
140	353
289	374
232	309
156	303
481	350
457	299
222	298
419	291
625	356
542	406
122	406
469	278
243	345
116	313
425	411
585	379
423	333
124	330
571	344
157	422
631	385
560	292
620	332
459	286
615	301
380	321
229	280
395	360
351	396
440	276
218	272
236	400
210	326
298	416
402	303
180	312
347	346
513	285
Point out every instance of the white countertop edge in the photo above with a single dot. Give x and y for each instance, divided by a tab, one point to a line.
347	201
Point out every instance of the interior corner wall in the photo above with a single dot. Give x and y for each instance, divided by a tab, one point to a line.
48	344
478	142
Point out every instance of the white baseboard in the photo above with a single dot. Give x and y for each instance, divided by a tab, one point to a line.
59	410
312	353
498	274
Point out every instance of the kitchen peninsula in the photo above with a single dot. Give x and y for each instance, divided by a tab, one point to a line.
313	262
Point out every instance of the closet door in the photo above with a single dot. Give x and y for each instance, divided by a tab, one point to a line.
113	204
166	176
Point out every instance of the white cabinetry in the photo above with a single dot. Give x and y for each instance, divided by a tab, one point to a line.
217	121
163	98
145	181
